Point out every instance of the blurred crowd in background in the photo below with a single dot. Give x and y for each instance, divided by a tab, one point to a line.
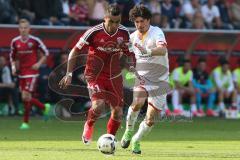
195	14
196	90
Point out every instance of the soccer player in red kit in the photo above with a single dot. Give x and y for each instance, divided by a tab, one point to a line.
25	64
107	42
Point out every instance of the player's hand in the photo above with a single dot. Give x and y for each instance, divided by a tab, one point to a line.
14	71
132	69
36	66
65	82
142	50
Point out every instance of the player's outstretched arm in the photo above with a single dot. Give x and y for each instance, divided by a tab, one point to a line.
160	50
72	59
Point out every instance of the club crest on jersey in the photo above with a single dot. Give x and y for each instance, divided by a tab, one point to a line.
120	40
30	44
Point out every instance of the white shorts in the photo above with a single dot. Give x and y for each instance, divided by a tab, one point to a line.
157	92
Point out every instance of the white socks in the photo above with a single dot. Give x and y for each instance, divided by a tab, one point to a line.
193	108
238	101
131	118
175	99
143	130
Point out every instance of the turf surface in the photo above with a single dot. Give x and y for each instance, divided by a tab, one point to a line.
200	139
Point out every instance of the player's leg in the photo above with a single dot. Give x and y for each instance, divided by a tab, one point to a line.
114	120
93	114
193	107
139	98
210	103
221	105
115	99
177	101
31	88
26	96
144	128
234	98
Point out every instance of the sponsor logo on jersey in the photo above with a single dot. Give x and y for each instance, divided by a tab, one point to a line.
120	40
108	49
30	44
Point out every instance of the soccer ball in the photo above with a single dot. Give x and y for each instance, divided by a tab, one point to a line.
107	144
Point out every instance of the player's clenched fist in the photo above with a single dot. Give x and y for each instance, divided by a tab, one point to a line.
66	81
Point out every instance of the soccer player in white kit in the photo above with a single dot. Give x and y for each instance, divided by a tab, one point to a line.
152	70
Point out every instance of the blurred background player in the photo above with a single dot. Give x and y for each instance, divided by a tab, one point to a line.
25	64
203	86
223	83
8	87
236	80
107	42
182	78
149	46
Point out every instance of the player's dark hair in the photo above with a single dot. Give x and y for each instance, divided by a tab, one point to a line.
223	60
113	10
139	11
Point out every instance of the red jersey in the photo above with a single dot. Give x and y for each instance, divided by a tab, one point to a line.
26	52
105	51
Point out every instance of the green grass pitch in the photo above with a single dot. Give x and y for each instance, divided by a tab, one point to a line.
201	139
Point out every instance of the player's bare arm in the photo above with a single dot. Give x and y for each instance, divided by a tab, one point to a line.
42	60
67	79
160	50
13	66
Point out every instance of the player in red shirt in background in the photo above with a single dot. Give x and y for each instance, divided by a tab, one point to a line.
107	42
24	62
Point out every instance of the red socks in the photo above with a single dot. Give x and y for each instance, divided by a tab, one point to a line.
28	106
113	126
27	109
37	103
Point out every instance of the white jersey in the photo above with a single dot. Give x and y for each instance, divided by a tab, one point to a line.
153	68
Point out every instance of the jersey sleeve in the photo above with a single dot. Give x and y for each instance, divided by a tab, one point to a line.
42	47
13	51
126	49
160	37
84	39
129	52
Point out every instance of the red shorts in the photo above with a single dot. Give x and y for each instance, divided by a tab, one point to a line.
109	90
28	84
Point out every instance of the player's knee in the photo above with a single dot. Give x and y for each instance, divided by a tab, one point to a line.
117	113
150	122
26	97
98	106
137	105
